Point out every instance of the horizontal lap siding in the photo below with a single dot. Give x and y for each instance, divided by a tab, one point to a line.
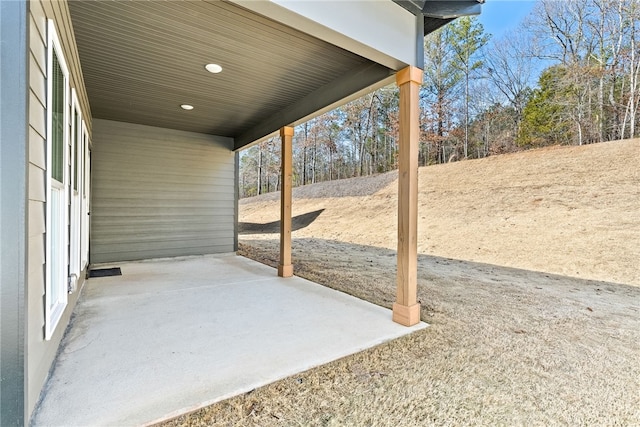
41	353
160	193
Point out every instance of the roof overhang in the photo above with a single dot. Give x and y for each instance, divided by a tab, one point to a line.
440	12
283	61
442	9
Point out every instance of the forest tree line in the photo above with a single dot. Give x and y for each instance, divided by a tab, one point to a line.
567	74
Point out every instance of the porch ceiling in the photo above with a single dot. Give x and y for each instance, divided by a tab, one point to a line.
142	60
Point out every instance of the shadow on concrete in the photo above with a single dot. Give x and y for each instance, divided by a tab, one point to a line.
297	223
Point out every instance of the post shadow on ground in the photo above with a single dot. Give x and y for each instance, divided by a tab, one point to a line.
298	222
446	272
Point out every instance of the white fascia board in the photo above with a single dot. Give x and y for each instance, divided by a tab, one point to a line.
378	30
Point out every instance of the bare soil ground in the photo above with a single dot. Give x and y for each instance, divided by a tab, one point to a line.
507	346
573	211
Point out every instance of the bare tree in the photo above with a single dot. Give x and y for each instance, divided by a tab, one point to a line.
510	65
565	23
632	9
466	37
441	80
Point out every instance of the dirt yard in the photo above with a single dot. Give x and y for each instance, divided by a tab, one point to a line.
529	276
573	211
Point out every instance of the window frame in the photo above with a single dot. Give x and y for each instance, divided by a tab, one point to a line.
75	187
85	198
56	251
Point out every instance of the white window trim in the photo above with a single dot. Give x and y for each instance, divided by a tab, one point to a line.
53	314
84	197
75	195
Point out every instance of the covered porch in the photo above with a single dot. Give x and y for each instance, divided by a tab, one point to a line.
172	335
134	113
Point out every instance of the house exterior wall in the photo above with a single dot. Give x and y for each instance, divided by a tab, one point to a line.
157	192
13	201
160	193
40	353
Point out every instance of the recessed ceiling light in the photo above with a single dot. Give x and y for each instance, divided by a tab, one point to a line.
186	107
213	68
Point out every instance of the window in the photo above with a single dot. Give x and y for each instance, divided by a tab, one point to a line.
76	144
56	203
84	213
57	118
75	168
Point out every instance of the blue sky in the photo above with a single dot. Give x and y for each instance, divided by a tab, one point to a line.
500	15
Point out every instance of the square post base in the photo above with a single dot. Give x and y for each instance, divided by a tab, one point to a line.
285	270
406	315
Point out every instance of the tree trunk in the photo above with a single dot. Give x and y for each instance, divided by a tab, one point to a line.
313	163
304	154
304	165
633	82
259	170
466	107
440	132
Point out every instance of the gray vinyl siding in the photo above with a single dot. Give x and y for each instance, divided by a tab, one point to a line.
160	193
14	166
39	352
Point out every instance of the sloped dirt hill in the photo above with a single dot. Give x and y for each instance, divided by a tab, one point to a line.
573	211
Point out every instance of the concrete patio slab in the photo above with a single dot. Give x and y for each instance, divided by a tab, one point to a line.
170	336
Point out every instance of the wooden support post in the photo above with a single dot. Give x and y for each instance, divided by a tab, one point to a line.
285	267
406	309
